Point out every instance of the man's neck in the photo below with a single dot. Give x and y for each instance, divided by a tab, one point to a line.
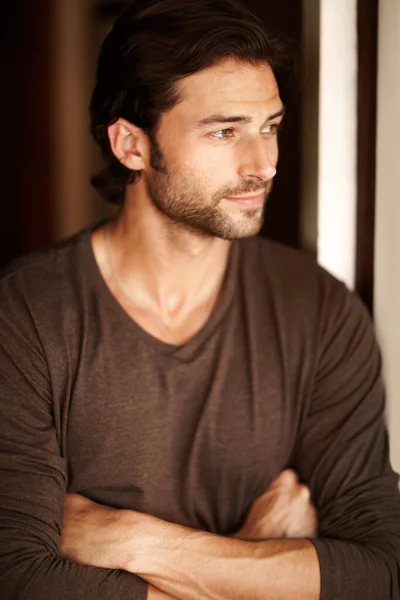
165	267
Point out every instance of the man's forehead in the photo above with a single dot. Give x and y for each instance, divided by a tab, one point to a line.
229	83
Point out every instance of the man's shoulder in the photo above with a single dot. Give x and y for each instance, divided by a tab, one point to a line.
292	278
282	262
47	266
43	281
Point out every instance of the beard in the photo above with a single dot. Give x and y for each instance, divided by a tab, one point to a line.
181	200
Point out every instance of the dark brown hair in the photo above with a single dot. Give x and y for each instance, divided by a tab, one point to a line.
154	44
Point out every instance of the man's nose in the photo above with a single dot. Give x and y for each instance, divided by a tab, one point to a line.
258	160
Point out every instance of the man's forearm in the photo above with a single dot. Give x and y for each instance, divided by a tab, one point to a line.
189	565
184	563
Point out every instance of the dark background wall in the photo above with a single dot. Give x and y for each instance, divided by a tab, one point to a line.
283	212
26	140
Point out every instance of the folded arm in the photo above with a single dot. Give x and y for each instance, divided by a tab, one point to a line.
190	564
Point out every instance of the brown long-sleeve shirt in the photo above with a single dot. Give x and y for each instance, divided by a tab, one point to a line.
286	372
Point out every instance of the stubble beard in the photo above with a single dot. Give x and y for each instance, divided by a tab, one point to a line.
180	201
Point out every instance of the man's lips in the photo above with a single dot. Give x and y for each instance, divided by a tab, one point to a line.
250	201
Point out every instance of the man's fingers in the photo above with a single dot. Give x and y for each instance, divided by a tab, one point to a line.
304	492
286	478
289	479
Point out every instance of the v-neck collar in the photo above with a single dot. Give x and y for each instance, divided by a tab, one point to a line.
182	352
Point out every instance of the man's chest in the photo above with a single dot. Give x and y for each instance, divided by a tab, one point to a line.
193	442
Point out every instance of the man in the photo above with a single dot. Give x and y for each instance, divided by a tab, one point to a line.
174	377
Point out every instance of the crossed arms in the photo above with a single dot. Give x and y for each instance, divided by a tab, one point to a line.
187	564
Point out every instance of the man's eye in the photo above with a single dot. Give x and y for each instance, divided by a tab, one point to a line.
222	134
271	129
227	134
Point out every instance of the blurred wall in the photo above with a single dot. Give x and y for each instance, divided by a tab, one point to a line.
337	169
72	77
329	137
387	240
310	125
78	35
27	159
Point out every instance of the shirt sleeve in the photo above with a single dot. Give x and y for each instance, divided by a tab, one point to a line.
343	455
33	478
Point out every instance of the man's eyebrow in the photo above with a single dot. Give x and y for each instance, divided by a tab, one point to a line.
219	118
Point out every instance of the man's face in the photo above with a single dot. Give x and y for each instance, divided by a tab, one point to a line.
218	145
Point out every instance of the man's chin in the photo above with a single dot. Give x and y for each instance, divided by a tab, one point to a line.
241	231
222	224
248	225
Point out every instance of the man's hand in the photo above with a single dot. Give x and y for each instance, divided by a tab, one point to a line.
283	511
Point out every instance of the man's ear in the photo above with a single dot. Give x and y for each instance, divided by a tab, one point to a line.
128	145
